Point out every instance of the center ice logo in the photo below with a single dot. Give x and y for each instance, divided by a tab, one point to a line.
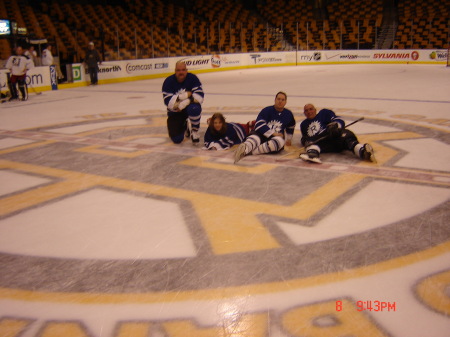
298	263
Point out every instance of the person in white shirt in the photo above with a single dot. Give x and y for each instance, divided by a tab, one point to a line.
18	65
47	57
31	53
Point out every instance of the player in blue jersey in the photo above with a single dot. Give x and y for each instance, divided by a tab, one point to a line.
183	95
323	131
274	128
221	135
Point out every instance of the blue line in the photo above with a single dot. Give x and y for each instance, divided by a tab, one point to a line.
298	96
335	97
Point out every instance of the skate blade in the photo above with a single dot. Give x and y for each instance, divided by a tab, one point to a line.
372	158
305	157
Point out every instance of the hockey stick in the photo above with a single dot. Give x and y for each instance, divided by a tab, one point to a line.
34	90
354	122
316	141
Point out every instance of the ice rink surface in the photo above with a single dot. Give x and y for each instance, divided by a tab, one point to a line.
109	229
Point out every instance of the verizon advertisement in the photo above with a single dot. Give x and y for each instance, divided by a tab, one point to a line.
372	56
113	71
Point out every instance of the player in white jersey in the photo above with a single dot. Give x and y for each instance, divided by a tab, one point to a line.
18	65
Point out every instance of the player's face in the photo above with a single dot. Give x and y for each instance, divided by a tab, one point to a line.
217	124
310	111
180	72
280	102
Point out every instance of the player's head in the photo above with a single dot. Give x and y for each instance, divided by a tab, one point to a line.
280	100
217	123
180	71
91	45
310	111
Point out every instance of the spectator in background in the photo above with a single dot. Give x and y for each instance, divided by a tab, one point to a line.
91	61
49	60
31	53
47	57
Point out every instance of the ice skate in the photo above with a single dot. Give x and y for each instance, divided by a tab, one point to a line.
240	153
306	157
367	153
195	137
312	156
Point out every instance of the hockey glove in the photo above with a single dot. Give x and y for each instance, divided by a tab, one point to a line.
333	130
183	104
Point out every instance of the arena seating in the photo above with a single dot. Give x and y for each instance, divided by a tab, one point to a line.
422	24
158	28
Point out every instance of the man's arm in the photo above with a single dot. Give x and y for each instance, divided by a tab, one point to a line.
169	96
197	93
290	128
261	123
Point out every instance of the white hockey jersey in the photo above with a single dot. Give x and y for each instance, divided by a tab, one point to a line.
47	57
19	65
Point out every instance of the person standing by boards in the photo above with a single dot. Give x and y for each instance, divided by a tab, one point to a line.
91	61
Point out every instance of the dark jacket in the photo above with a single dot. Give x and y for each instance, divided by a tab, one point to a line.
92	58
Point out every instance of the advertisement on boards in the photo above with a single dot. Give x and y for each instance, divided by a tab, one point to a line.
38	77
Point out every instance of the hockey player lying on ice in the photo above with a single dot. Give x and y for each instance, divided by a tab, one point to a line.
326	132
221	135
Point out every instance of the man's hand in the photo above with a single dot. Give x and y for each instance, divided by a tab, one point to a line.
333	129
183	104
184	95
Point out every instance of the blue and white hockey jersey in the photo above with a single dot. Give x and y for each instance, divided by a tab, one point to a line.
171	89
235	134
313	129
270	121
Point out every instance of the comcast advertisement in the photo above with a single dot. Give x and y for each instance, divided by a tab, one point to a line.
129	70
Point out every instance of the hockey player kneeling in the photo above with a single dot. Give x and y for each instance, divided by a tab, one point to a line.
325	132
183	95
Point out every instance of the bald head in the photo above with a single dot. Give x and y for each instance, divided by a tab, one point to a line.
180	71
310	111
